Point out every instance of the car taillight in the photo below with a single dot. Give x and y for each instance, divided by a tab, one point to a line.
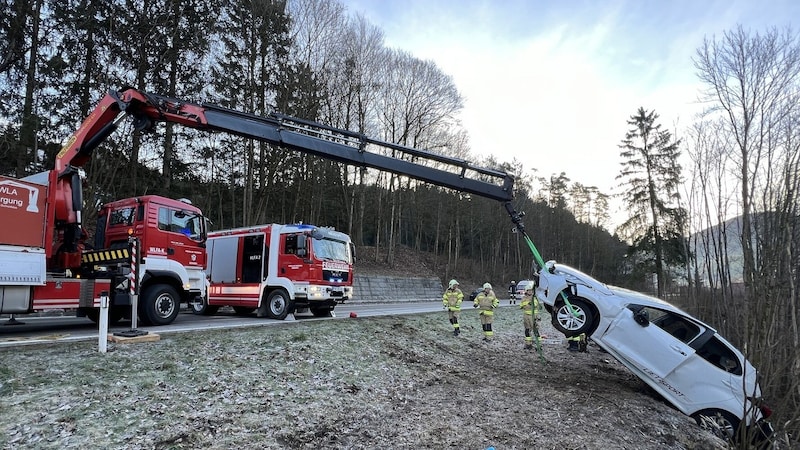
766	411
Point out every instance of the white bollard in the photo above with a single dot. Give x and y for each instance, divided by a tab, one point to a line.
102	338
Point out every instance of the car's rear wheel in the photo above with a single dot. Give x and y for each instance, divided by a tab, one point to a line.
722	424
573	324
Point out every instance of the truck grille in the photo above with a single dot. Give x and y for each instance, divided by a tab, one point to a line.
336	275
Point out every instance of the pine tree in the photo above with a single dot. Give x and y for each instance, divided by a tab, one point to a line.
651	174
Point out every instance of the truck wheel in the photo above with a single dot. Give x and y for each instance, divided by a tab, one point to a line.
201	307
115	314
278	304
322	312
160	304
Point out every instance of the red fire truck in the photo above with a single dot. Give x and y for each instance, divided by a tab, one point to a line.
278	269
45	260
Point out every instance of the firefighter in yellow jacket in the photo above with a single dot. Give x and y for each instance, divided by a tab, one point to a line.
487	302
530	317
452	299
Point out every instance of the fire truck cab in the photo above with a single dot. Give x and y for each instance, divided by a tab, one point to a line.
172	237
277	270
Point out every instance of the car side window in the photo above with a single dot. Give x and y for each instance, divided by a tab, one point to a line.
677	326
720	355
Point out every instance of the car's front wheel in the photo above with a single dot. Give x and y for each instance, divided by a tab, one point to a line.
573	324
722	424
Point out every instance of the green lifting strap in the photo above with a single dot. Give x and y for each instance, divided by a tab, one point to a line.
517	219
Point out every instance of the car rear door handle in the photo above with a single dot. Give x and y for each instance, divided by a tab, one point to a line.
678	349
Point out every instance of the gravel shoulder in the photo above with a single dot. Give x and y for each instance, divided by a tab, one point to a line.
356	383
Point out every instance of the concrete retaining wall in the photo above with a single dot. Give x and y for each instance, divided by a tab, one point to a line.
384	289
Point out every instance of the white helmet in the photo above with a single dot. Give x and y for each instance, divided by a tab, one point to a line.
487	286
453	282
513	282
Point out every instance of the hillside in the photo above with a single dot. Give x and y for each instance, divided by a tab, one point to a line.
385	382
407	262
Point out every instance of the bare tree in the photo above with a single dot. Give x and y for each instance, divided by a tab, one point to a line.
752	82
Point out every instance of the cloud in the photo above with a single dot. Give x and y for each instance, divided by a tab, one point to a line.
554	83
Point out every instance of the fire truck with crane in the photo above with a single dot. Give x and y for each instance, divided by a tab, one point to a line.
36	268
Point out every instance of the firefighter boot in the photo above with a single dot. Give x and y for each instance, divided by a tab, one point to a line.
573	345
582	343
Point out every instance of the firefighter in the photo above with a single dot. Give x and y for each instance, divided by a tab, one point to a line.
451	300
512	292
577	343
530	317
487	302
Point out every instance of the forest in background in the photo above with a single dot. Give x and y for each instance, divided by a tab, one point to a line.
313	59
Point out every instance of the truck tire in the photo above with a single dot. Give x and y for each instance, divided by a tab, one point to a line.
160	305
278	304
201	307
115	314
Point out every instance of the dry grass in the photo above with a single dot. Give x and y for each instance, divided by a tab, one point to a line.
386	382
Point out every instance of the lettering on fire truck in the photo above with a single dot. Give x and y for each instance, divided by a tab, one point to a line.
335	266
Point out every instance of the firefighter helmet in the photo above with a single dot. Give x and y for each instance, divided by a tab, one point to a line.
453	283
487	286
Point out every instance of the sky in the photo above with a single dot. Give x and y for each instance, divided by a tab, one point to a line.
553	83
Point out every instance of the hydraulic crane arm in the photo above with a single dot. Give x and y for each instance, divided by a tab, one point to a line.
284	131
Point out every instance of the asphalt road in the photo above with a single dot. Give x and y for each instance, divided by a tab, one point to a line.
39	330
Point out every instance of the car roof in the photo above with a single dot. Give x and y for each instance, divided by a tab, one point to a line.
575	275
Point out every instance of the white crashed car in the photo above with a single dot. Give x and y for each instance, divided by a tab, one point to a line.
682	358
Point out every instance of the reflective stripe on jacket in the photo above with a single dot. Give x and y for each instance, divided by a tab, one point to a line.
452	299
529	304
486	302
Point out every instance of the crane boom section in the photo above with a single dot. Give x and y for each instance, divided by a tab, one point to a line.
287	132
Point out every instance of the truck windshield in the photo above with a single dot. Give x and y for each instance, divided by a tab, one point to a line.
188	224
330	249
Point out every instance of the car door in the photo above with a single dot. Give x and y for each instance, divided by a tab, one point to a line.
650	348
657	342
